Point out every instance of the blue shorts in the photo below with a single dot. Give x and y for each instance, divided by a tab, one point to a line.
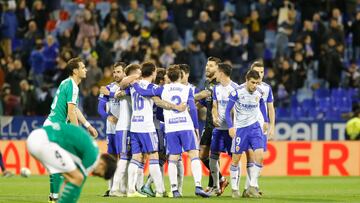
144	142
113	144
221	141
248	137
179	140
161	137
124	147
265	142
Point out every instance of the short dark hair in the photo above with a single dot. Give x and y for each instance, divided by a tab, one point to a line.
147	69
73	64
252	74
131	68
160	75
119	63
215	59
225	68
174	73
110	165
185	67
256	64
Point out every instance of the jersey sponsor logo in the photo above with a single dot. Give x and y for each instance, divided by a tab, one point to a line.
138	119
248	106
177	120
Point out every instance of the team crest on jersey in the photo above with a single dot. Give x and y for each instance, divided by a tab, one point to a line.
237	148
233	93
257	99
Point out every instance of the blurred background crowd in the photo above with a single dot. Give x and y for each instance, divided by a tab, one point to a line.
310	48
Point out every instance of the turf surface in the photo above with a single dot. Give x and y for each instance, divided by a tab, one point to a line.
276	189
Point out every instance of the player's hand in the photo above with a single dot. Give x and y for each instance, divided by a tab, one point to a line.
93	131
197	135
181	107
112	119
271	132
119	94
232	132
265	127
104	91
216	121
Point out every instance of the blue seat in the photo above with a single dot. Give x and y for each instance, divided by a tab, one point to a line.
323	104
321	93
308	104
333	114
282	112
339	92
298	113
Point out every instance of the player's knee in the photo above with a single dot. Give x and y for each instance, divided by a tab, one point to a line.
193	154
75	177
250	156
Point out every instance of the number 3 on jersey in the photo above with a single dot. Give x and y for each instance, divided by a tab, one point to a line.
176	100
138	101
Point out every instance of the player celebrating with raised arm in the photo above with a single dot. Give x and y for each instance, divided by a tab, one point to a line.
221	140
64	108
69	150
181	128
246	131
268	116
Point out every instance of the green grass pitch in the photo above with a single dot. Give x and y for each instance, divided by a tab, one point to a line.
276	189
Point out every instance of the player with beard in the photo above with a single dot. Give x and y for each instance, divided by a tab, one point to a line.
205	96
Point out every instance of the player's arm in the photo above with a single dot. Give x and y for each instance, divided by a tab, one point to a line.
126	81
263	113
229	121
193	113
71	112
202	95
86	123
271	111
214	110
102	109
167	105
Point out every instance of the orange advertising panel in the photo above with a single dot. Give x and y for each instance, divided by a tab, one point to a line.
281	159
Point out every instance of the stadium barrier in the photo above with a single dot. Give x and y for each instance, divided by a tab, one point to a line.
19	127
283	158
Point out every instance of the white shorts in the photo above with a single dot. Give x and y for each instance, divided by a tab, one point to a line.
50	154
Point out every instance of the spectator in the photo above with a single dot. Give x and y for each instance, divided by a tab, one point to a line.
37	62
299	68
91	101
40	15
107	77
113	28
103	49
169	33
352	76
27	98
256	33
204	23
284	77
216	45
60	72
184	16
87	51
197	62
88	28
8	27
133	54
168	57
181	55
132	25
138	13
234	50
115	12
158	10
44	99
121	44
11	104
93	74
50	53
355	29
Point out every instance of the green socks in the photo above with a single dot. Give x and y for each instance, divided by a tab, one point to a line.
71	193
56	181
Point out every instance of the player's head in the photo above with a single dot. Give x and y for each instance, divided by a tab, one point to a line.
252	80
133	69
118	71
148	69
76	67
259	67
211	66
106	167
160	76
223	72
185	69
174	73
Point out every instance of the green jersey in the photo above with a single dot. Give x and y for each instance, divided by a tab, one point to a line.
68	92
75	140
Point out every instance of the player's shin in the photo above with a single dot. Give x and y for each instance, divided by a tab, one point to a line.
154	169
173	174
249	165
70	194
56	181
119	174
140	178
235	177
196	170
215	168
132	175
180	177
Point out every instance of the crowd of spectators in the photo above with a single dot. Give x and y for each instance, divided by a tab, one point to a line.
304	44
